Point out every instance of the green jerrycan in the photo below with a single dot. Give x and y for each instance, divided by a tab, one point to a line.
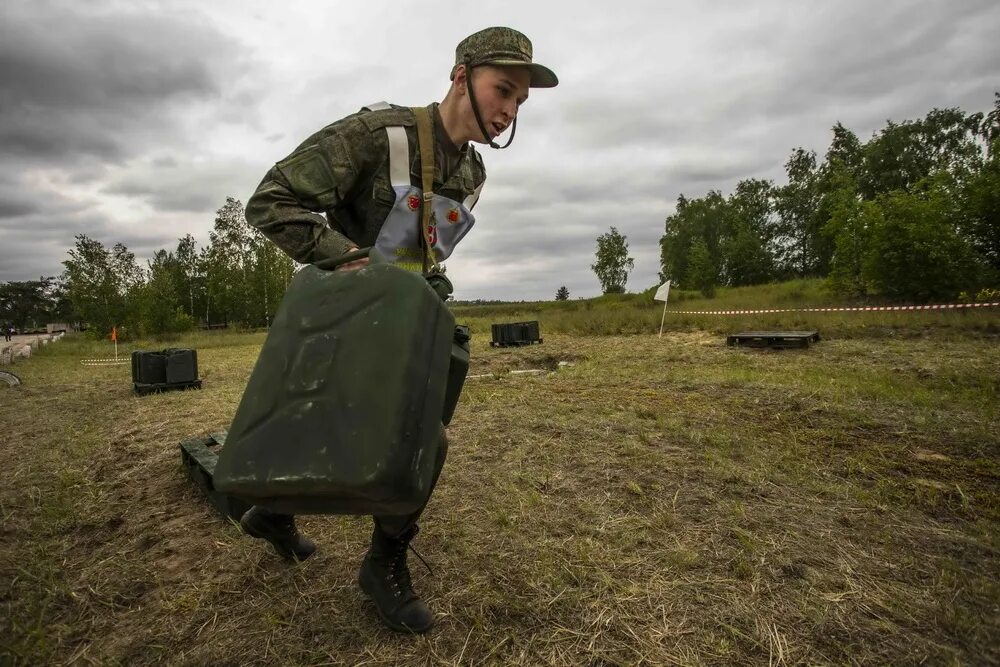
343	410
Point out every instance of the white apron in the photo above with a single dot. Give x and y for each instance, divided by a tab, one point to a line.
399	239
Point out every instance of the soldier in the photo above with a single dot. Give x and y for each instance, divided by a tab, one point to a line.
360	172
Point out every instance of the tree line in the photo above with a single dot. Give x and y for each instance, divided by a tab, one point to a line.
912	213
237	279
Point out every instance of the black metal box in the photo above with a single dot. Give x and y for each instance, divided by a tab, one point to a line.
149	367
159	370
182	366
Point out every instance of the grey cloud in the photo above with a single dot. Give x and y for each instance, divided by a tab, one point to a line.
38	247
37	244
538	251
643	118
103	83
851	64
186	187
87	171
21	205
783	72
60	133
15	208
56	223
23	259
164	161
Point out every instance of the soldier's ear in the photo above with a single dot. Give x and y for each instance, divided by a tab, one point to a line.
460	80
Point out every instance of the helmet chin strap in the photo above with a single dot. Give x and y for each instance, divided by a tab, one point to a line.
475	111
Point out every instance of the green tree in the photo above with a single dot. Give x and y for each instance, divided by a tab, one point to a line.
801	248
271	272
228	264
562	294
746	252
29	304
981	195
613	263
100	283
244	274
847	226
188	281
706	219
845	149
836	185
159	304
702	274
981	217
904	154
745	260
915	250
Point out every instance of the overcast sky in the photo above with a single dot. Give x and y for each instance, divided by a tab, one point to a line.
133	121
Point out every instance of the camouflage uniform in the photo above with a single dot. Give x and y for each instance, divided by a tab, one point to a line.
342	171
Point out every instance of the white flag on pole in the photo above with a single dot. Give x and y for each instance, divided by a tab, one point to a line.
662	293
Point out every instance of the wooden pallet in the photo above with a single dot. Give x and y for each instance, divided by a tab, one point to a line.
199	457
776	339
142	388
515	334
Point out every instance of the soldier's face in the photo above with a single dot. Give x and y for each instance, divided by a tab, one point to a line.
500	92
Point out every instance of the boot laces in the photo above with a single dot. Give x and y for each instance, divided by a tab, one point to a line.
399	573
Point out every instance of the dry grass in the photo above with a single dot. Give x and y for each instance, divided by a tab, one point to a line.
660	501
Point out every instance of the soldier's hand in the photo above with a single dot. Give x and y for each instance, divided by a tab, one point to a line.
356	264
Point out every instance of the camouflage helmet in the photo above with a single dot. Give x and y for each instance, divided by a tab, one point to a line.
503	47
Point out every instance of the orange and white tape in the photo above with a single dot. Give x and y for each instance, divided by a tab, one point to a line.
855	309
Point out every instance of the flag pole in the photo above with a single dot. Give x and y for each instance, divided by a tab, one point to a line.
663	294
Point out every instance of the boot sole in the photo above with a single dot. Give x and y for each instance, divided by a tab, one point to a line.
389	623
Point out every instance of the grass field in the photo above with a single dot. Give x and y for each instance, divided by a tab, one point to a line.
659	501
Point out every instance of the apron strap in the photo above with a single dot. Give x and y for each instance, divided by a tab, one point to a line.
399	157
425	139
471	200
399	150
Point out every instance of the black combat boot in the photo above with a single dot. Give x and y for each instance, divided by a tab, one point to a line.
385	578
279	530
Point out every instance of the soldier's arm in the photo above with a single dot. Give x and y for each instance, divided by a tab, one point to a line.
316	177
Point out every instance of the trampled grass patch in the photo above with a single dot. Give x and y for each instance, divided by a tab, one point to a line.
654	501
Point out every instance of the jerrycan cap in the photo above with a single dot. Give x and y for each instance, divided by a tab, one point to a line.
440	284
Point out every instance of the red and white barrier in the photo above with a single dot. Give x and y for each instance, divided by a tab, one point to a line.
855	309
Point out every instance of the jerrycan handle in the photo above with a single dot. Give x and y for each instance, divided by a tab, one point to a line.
331	263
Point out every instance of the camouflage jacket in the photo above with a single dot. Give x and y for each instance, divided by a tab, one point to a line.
343	171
